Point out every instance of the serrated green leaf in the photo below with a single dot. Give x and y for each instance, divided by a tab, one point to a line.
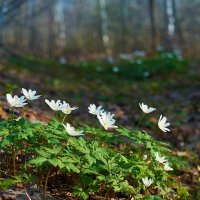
38	161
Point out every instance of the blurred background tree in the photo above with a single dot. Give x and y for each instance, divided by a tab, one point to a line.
57	28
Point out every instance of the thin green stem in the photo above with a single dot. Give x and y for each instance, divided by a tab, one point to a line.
141	118
54	115
11	114
25	161
12	121
48	123
45	128
63	121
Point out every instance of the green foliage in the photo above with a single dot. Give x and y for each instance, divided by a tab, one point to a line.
162	64
94	164
183	193
152	198
6	183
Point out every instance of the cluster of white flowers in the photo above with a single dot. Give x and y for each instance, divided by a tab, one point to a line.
162	122
19	102
16	101
164	161
59	106
105	118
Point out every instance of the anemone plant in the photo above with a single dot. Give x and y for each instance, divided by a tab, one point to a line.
107	161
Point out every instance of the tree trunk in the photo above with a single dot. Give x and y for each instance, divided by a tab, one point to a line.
123	24
152	12
104	27
52	34
32	39
169	25
178	29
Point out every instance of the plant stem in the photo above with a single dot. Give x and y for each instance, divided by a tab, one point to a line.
141	118
14	164
12	120
45	184
54	114
45	128
39	183
25	162
48	123
64	119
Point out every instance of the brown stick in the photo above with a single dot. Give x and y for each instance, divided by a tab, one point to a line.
45	184
14	164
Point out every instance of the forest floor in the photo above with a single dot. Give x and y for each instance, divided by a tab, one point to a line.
175	95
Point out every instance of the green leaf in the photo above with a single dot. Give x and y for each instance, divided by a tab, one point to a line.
71	167
81	193
6	183
152	197
43	153
55	162
90	159
38	161
54	150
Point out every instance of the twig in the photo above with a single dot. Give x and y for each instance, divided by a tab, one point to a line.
29	198
45	184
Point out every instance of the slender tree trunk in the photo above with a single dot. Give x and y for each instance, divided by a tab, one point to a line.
152	12
104	26
123	24
52	34
2	8
61	28
178	29
32	39
169	25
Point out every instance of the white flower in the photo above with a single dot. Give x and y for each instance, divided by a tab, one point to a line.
66	108
162	124
16	101
147	182
71	130
30	94
160	159
106	120
167	167
94	110
54	105
145	108
144	157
